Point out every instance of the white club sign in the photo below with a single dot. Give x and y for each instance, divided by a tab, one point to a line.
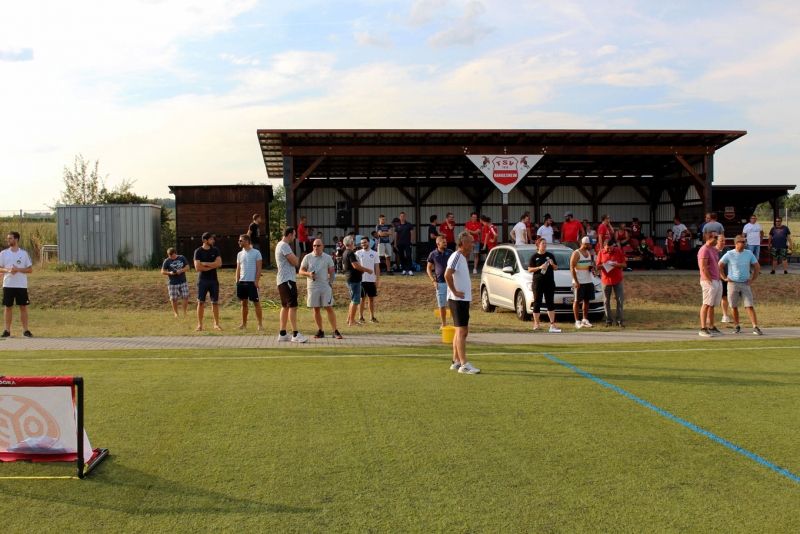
503	171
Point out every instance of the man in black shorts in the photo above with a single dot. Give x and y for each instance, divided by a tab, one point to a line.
254	232
16	265
207	260
286	261
459	298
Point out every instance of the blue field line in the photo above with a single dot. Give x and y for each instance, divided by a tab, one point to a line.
691	426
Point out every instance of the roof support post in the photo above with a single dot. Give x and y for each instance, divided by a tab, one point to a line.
288	177
708	168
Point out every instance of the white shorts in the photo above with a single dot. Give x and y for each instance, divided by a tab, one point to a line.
385	250
320	297
712	292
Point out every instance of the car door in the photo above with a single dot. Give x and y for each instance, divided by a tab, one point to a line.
493	276
507	284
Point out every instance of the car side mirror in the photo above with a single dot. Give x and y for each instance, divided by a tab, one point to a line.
508	269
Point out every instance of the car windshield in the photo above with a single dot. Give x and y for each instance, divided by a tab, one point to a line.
562	257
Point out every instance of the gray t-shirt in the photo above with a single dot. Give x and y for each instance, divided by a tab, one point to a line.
713	226
286	272
319	265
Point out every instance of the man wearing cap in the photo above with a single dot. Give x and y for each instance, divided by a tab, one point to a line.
739	268
571	231
207	260
611	261
580	266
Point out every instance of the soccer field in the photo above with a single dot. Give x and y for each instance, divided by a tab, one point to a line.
545	439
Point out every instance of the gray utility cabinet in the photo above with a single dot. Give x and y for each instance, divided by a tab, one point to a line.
101	234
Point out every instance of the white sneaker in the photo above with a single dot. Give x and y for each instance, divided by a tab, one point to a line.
410	273
299	338
285	337
578	324
405	273
586	323
726	319
474	271
554	329
468	369
454	366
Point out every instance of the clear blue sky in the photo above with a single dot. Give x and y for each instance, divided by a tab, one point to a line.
172	92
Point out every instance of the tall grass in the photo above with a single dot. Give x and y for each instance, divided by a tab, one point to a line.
33	234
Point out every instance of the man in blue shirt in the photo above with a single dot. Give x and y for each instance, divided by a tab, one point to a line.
248	277
404	236
175	268
437	265
739	268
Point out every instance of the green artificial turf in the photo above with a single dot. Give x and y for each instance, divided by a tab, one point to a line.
294	441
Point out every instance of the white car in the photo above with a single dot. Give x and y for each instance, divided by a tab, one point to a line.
506	282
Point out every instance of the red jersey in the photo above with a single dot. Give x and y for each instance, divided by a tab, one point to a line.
474	226
603	233
489	236
302	233
448	232
570	230
614	276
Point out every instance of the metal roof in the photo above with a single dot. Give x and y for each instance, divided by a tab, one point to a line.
330	154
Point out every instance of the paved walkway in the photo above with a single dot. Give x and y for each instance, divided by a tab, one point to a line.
594	336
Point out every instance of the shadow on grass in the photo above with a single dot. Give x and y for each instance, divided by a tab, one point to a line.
116	487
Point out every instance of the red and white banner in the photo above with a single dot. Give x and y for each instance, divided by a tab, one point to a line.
39	423
505	172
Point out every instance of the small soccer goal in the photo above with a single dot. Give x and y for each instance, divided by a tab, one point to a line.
41	420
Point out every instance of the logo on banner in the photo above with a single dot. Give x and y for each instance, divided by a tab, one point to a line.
505	171
23	419
730	213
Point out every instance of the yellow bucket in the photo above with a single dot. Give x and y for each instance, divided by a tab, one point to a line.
448	333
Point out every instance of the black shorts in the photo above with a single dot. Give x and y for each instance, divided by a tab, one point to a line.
724	289
584	292
288	293
369	289
247	291
15	294
210	287
459	309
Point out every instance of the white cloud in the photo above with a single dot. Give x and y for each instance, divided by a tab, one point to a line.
468	29
240	61
364	38
16	54
606	50
424	11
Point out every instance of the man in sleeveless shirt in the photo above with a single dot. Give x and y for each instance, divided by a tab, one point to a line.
580	266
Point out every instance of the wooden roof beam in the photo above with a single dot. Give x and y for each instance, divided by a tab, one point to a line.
462	150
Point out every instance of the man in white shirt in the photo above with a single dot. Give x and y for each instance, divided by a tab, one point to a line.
677	228
459	298
519	234
15	264
546	231
369	281
753	232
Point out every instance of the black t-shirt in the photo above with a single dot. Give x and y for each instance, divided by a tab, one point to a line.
174	266
209	256
403	232
432	231
253	232
539	259
348	259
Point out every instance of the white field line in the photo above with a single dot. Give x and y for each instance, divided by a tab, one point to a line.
374	356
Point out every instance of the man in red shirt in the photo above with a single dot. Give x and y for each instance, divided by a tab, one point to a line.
302	236
571	231
448	230
610	262
488	234
474	227
604	232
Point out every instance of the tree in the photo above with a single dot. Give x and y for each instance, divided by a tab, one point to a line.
82	182
277	214
792	203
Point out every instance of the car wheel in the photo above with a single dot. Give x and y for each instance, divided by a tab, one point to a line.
519	307
485	304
